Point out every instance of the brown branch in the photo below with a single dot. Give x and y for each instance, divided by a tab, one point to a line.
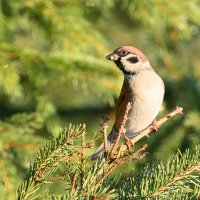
128	158
145	133
83	155
141	148
121	131
104	131
113	166
73	184
127	142
123	160
54	178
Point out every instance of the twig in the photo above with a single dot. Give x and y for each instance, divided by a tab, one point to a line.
54	178
141	148
83	155
127	142
126	158
123	160
121	130
104	131
145	133
73	184
113	166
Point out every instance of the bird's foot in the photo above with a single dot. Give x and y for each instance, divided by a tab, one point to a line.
154	125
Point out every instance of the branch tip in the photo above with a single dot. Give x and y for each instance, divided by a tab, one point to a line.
179	110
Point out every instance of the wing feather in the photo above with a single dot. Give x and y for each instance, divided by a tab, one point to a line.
121	105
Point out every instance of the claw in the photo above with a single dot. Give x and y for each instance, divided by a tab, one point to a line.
154	125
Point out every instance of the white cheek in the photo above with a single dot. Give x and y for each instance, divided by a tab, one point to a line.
130	66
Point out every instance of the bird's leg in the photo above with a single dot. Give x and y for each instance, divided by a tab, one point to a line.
154	125
128	142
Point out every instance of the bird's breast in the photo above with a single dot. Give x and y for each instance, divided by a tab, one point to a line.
146	95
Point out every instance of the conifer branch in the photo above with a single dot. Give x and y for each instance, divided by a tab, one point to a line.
49	158
51	179
117	153
182	175
178	178
145	133
104	126
83	155
37	36
62	150
73	184
112	153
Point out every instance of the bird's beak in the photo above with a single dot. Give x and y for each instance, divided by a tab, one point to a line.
112	56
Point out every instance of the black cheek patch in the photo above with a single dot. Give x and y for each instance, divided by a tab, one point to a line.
133	59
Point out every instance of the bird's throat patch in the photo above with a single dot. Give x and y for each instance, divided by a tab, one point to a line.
122	68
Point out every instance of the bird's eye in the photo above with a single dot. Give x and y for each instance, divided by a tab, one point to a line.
123	53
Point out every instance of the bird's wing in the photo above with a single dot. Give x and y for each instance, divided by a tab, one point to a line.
121	106
121	98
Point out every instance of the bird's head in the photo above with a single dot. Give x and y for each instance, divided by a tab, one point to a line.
129	60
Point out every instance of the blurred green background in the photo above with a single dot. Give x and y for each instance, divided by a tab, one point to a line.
53	72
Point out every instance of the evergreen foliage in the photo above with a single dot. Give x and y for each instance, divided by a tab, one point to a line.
65	149
53	72
177	178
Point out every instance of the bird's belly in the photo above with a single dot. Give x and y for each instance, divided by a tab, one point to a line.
143	112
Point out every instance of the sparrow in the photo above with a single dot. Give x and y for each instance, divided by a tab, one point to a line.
142	87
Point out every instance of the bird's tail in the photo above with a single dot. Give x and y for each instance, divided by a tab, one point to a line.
100	151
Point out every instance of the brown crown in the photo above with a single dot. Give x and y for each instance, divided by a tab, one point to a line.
134	50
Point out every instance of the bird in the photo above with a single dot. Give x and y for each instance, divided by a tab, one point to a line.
142	87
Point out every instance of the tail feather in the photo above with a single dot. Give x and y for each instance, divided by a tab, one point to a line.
100	151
